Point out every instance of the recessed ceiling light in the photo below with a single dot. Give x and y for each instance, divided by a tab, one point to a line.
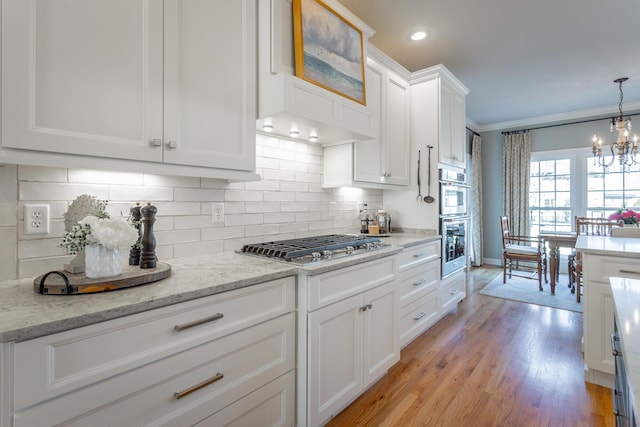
418	35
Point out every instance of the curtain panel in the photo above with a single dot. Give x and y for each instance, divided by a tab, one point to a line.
476	201
516	161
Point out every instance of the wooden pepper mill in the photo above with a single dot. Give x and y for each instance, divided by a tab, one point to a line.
148	257
134	252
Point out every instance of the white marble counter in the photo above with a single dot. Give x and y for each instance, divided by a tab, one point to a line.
612	246
25	314
626	297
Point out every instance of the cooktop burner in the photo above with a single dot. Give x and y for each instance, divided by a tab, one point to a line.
310	249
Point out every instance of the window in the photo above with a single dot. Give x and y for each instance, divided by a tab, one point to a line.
566	183
550	195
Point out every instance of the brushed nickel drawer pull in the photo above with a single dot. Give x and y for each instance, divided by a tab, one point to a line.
637	273
419	282
366	307
419	255
157	142
198	322
180	394
419	316
453	292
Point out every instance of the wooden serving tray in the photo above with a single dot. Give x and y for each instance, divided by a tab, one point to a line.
65	283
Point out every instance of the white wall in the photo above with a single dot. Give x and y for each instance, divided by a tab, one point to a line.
288	202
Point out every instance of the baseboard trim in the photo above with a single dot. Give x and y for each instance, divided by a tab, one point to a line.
492	261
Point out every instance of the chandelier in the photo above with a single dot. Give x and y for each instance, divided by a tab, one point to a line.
624	148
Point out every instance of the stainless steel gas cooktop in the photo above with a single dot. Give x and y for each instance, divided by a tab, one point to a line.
310	250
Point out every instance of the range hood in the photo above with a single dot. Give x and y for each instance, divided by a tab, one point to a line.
287	104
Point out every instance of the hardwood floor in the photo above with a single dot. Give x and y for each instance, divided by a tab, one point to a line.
492	362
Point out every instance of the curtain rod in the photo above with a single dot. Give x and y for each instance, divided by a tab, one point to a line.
472	131
565	124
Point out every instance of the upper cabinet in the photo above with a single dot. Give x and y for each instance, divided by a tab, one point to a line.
288	103
382	162
439	115
168	87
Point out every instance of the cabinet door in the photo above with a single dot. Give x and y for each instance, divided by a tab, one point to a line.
452	149
598	326
335	357
381	331
210	83
368	161
82	77
396	130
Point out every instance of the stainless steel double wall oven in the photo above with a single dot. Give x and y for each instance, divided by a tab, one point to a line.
454	219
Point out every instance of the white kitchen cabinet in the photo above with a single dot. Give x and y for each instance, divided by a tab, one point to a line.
438	113
599	312
176	365
453	147
385	160
287	102
418	271
154	85
348	337
452	290
382	162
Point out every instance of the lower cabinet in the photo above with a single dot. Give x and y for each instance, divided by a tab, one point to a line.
350	342
599	312
226	357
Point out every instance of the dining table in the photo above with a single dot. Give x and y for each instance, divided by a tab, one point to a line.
555	240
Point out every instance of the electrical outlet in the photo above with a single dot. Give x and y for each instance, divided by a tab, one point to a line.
36	219
217	212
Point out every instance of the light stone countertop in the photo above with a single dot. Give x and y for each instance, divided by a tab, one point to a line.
25	314
626	297
628	247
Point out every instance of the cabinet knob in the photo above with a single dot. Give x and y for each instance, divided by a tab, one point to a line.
156	142
172	145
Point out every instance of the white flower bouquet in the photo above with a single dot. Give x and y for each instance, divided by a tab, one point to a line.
112	233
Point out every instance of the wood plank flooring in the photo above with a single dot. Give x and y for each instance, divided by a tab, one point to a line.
492	362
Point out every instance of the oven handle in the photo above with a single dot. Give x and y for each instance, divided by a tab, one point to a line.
445	218
454	183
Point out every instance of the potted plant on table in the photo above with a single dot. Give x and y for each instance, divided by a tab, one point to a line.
101	237
628	216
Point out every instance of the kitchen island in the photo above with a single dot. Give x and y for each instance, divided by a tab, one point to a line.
602	258
626	296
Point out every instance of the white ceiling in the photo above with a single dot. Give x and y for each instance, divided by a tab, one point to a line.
524	61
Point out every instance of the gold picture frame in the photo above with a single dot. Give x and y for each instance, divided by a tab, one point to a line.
329	50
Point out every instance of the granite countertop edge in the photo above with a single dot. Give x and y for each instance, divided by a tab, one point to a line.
25	314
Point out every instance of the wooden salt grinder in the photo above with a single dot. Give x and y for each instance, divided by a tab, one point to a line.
134	252
148	255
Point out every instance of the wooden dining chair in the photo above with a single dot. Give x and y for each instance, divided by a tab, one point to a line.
522	249
587	227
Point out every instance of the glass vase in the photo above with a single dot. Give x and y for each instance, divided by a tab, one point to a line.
102	262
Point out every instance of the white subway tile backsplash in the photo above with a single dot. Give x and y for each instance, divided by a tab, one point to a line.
274	196
104	177
278	175
197	248
8	253
259	207
41	174
177	236
173	181
243	196
144	194
40	191
198	195
243	219
288	202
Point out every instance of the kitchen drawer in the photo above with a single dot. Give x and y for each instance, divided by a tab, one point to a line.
415	255
246	360
601	268
417	316
271	405
418	281
327	288
452	291
56	364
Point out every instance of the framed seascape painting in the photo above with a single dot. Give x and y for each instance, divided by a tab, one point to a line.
328	50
